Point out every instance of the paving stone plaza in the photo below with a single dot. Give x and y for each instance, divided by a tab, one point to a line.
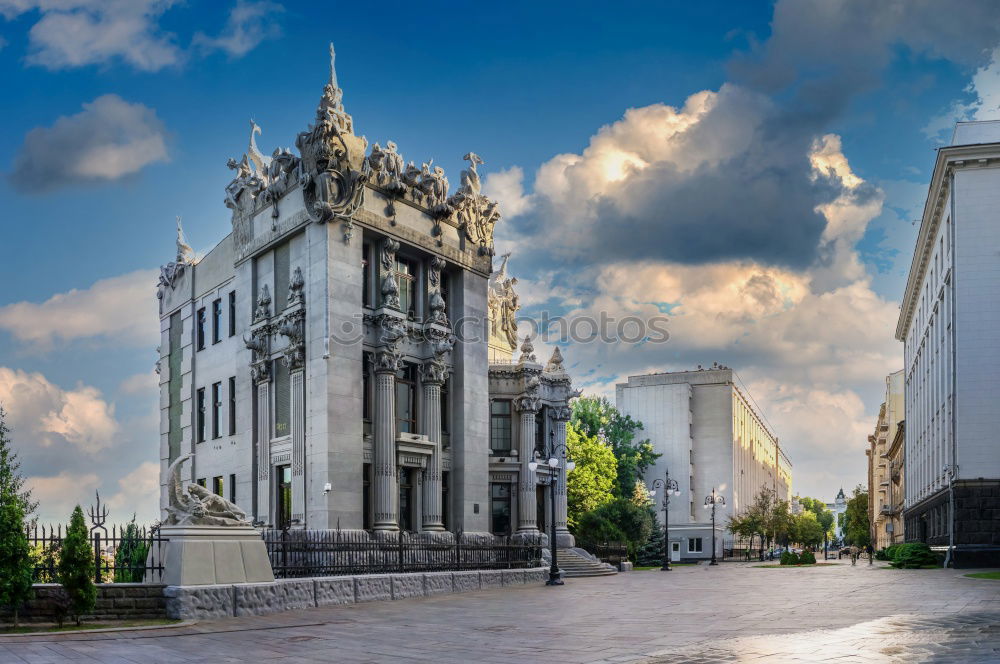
731	613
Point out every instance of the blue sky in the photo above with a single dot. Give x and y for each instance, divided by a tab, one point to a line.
721	226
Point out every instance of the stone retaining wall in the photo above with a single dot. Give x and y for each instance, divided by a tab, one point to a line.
115	601
250	599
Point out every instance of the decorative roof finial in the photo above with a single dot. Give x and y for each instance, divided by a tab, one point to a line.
527	351
185	254
555	364
333	67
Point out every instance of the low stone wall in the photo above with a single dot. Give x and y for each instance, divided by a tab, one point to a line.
251	599
115	601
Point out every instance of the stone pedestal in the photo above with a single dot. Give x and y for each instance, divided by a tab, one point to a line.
210	555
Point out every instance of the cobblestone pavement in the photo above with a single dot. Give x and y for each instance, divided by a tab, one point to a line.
730	613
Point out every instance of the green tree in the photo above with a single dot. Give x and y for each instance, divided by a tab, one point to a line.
591	482
781	522
15	553
76	567
651	552
617	520
807	529
130	557
857	526
595	416
823	515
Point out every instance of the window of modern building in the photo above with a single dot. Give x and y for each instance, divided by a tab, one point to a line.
201	482
232	405
366	517
406	281
216	408
500	508
500	439
232	313
216	321
694	545
218	487
366	277
200	414
282	259
282	400
232	488
406	399
200	329
283	475
405	499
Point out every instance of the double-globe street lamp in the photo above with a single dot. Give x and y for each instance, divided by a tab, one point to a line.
711	501
670	488
553	464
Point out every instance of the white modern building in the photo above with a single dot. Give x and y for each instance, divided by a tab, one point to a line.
838	507
948	324
710	437
344	357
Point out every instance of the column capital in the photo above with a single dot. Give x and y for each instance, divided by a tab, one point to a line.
561	413
433	372
387	360
527	404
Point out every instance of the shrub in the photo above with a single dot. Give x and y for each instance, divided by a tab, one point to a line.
594	529
130	557
807	558
76	567
619	520
789	558
913	555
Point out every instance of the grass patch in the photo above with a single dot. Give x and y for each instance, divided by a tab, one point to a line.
985	575
68	627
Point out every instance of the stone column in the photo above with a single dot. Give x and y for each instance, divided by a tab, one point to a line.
559	419
385	488
264	451
432	377
527	498
298	399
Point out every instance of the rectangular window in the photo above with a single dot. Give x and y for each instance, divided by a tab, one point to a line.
232	488
500	440
216	321
500	508
406	280
445	497
366	387
282	260
445	410
283	476
217	485
216	408
445	291
232	405
282	400
366	278
201	482
200	329
200	415
405	500
406	399
694	545
540	432
232	313
366	517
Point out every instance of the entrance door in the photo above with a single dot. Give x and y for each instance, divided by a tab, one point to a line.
540	508
675	552
405	500
284	496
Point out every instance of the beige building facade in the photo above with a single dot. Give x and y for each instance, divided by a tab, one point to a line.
885	519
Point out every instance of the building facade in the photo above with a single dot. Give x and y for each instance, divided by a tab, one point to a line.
838	507
710	437
328	364
885	519
948	321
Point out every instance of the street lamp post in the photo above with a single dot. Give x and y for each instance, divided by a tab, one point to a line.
711	501
670	488
553	464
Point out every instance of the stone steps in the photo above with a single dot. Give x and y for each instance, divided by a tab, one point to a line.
573	565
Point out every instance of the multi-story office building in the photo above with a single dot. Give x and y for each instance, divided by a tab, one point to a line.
885	519
328	363
948	324
710	437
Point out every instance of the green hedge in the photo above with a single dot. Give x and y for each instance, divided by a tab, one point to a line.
807	558
913	555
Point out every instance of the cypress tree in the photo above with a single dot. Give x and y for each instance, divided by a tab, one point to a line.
15	553
651	552
76	567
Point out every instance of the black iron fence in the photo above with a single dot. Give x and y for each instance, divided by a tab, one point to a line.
303	553
127	554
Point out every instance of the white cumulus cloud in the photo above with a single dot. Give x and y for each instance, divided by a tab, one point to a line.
249	24
109	139
119	309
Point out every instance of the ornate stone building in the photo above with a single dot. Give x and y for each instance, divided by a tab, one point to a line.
343	358
884	506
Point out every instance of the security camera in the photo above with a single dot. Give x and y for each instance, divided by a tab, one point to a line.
327	488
